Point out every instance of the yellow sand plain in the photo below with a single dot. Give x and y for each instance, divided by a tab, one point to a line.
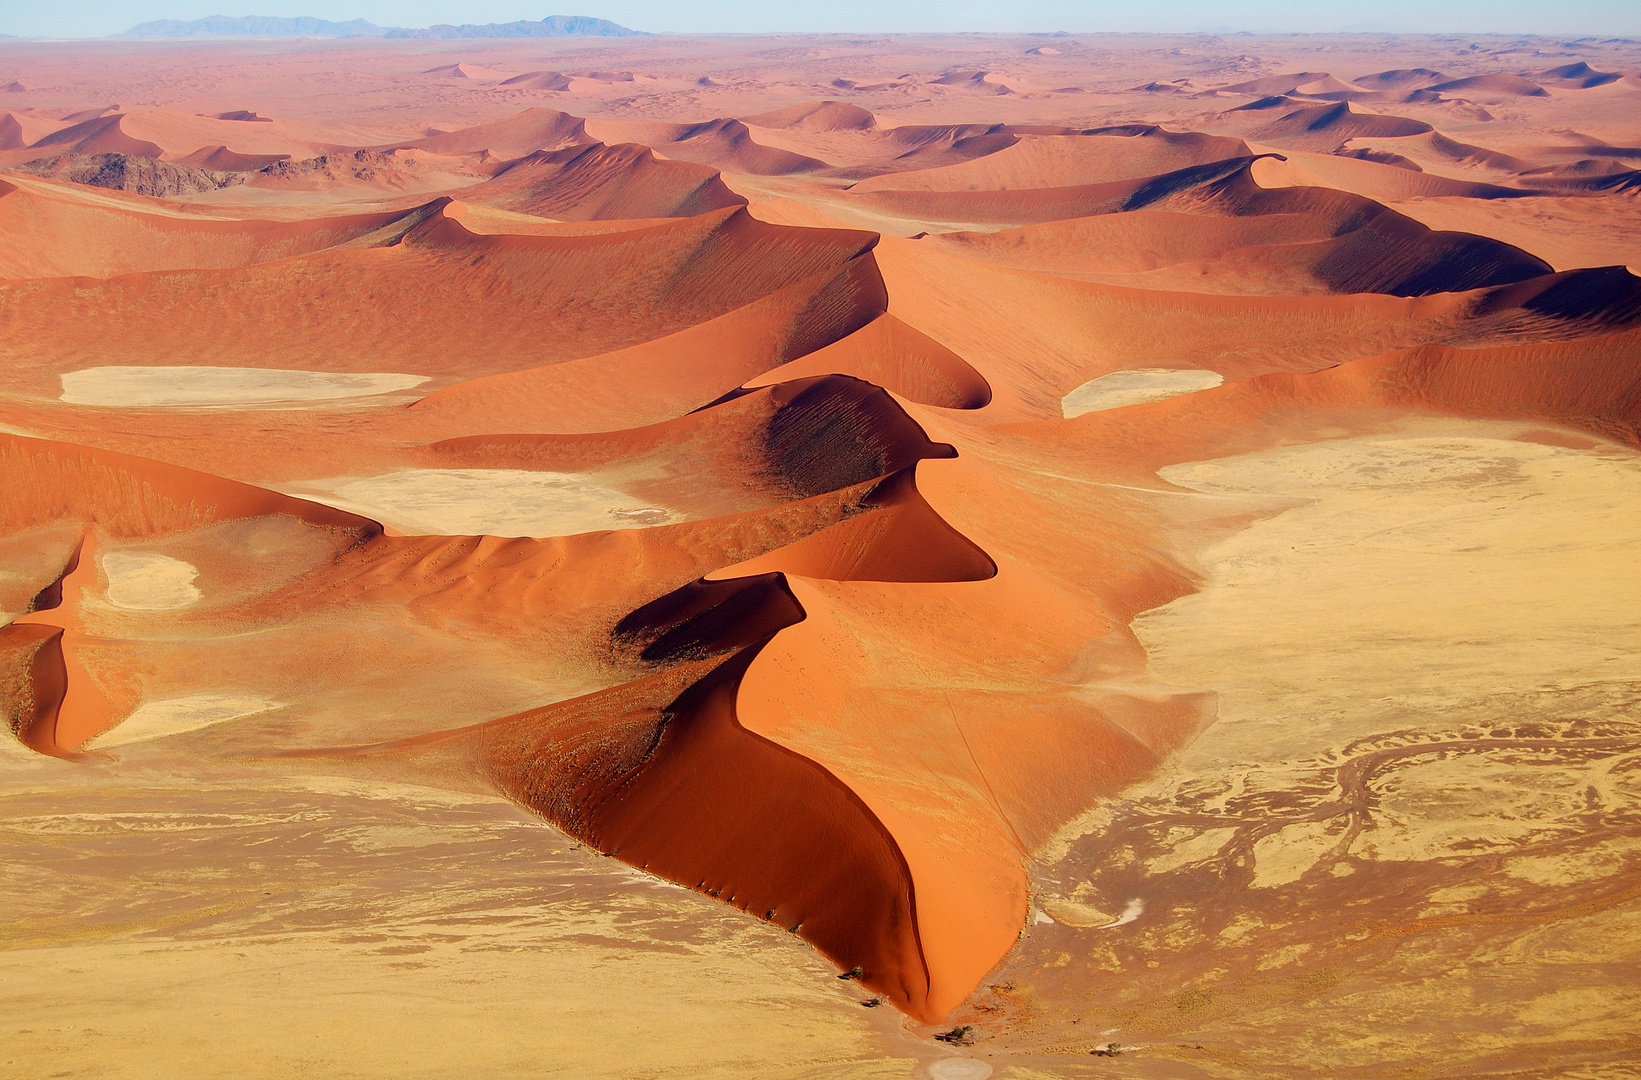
1411	838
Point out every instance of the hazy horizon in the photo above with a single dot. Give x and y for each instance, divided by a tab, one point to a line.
1572	18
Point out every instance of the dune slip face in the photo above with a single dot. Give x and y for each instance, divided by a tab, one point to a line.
931	556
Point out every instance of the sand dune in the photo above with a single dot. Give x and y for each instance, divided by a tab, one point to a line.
514	137
1046	530
1067	161
538	80
598	182
100	135
1325	127
502	281
96	234
723	144
1497	87
817	116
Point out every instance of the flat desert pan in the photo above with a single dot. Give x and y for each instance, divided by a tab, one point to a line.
485	502
1496	566
1121	388
182	387
172	716
145	581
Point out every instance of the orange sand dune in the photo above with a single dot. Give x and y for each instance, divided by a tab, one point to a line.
1325	127
1372	179
857	511
527	132
817	116
723	144
1501	86
61	230
594	182
671	375
101	135
1370	247
1059	161
602	295
893	355
794	440
1029	206
175	135
538	80
129	497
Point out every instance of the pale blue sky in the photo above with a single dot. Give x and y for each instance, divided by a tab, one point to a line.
92	18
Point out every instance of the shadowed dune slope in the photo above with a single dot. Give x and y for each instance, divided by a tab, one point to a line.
674	785
1325	127
1375	249
594	182
1340	242
758	449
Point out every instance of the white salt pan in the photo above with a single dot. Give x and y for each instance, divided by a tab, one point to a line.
157	719
1135	387
144	581
488	502
223	386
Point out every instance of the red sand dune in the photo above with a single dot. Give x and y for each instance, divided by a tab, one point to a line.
514	137
538	80
718	262
723	144
1496	87
850	641
62	230
594	182
1324	127
1067	161
817	116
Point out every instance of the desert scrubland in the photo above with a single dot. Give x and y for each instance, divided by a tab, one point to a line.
604	557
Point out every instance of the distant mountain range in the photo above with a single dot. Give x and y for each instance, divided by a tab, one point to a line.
269	26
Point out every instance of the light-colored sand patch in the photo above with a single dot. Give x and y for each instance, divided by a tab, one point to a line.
1121	388
183	387
1073	913
1425	570
489	502
959	1069
1130	913
172	716
317	926
145	581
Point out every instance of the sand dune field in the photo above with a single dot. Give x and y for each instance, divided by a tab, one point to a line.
946	557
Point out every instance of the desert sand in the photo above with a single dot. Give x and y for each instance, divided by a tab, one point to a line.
604	557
